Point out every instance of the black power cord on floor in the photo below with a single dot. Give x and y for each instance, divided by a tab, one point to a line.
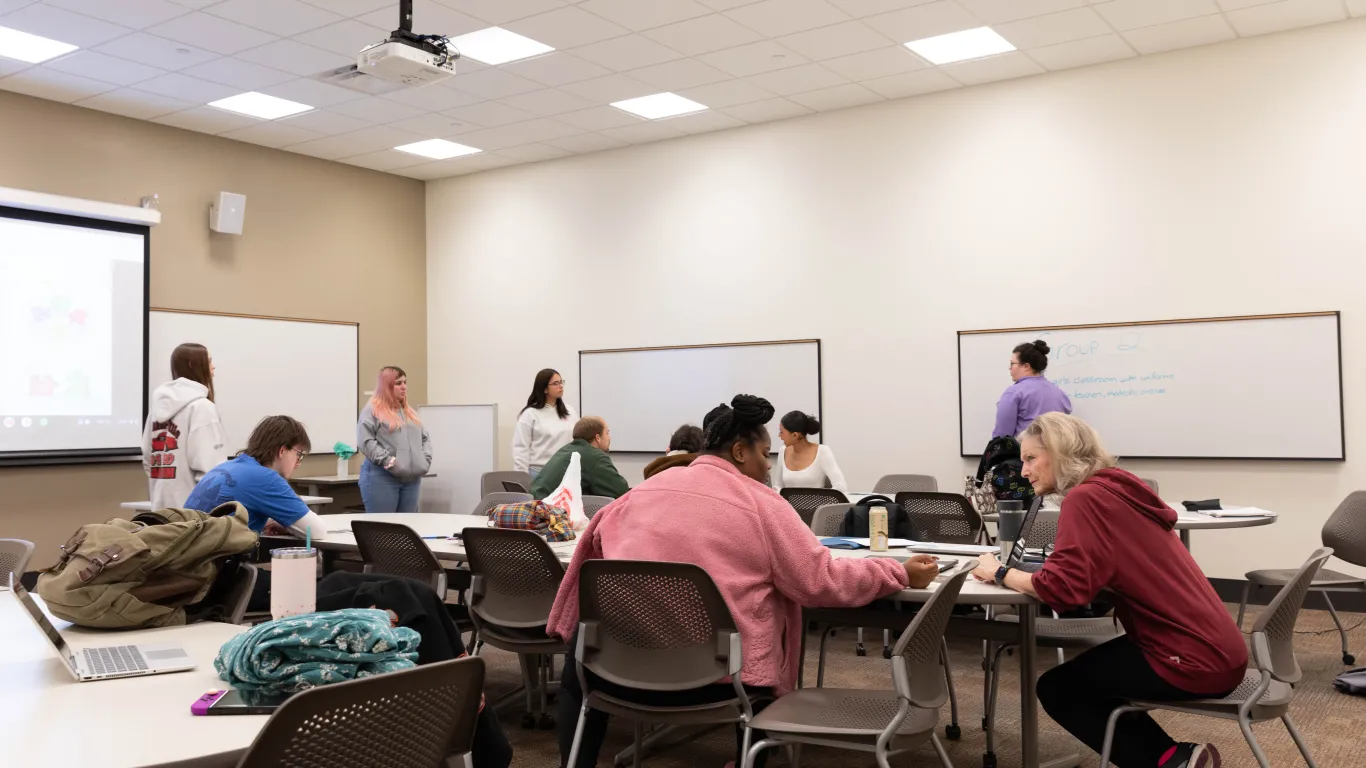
1331	629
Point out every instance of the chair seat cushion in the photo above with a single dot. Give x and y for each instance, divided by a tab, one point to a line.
1325	578
1272	704
841	712
1069	633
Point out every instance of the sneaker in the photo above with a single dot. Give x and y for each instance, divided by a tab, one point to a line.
1187	755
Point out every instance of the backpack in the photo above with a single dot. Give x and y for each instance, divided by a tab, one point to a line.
899	524
1352	682
999	471
144	572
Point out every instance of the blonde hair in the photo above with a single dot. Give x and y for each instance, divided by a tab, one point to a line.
386	405
1074	447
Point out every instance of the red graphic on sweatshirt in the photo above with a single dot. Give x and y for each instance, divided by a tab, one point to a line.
165	439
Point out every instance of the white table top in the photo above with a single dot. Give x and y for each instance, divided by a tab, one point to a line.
335	479
146	506
1194	521
45	715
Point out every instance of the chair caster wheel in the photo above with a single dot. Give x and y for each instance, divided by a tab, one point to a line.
528	721
1348	659
546	723
989	760
886	652
953	732
860	650
984	723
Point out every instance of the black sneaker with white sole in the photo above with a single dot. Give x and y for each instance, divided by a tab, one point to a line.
1187	755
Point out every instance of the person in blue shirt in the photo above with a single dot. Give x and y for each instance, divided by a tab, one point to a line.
258	479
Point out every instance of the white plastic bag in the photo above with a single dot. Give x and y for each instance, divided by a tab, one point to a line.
568	496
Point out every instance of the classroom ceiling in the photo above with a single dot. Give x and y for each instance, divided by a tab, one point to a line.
748	61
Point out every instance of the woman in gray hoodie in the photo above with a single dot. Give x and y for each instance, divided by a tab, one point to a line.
396	447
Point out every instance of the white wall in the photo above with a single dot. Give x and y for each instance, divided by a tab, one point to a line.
1215	181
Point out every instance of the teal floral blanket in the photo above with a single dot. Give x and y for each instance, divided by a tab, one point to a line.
313	649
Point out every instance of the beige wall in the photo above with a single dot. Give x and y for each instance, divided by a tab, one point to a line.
1223	180
323	240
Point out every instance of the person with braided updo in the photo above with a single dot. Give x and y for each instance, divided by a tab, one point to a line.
719	514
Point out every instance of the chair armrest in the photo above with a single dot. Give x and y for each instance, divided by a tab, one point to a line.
588	636
728	649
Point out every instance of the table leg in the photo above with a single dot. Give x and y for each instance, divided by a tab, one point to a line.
1185	538
1029	704
313	489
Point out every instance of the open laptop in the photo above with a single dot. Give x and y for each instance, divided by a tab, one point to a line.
107	661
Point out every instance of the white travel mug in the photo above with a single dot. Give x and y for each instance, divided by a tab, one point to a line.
293	581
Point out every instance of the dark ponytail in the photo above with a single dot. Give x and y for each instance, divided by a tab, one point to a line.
1034	354
801	423
742	420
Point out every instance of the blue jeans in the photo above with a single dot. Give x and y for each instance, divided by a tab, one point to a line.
382	492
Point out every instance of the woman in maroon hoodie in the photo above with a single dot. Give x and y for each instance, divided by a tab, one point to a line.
1116	535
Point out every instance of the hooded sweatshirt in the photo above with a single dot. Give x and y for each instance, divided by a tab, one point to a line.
409	445
182	441
1116	534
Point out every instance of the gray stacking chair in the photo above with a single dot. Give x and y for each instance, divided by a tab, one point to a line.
1151	483
240	596
1345	535
492	500
945	518
886	722
1268	687
891	485
807	500
499	482
14	556
591	504
394	549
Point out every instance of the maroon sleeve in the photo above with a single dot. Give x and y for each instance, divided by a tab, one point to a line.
1083	560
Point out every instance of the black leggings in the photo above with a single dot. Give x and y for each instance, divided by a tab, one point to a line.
1080	695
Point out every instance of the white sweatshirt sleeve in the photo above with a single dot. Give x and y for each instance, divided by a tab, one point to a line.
776	474
832	469
521	440
310	522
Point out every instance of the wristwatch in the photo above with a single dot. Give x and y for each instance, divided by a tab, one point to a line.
1001	575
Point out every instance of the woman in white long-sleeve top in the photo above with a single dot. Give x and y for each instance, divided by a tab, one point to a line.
544	426
397	449
804	464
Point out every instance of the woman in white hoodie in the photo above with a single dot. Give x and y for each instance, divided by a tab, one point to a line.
544	426
183	438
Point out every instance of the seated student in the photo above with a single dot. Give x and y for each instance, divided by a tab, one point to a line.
1115	534
598	475
804	464
683	448
718	513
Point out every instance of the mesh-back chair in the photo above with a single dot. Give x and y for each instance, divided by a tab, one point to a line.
496	482
14	555
394	549
492	500
807	500
514	578
945	518
882	722
1345	535
828	519
1268	687
591	504
656	626
890	485
1151	483
416	718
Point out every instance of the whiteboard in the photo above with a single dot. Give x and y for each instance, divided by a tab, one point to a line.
268	366
646	394
464	442
1245	387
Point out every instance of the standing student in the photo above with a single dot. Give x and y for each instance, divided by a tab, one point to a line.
1031	395
544	426
397	449
184	438
805	464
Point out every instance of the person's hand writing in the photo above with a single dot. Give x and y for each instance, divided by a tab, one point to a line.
921	570
987	565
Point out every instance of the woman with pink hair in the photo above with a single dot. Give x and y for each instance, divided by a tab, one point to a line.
396	447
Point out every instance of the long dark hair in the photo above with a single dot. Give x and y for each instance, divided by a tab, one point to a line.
537	399
191	361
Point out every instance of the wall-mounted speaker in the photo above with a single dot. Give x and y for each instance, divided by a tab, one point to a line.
228	214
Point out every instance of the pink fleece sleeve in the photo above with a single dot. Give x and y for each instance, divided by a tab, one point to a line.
808	574
564	614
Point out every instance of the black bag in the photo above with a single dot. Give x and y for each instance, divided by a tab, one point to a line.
1002	460
1352	682
899	524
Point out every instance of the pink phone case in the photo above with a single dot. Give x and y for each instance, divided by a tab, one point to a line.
202	704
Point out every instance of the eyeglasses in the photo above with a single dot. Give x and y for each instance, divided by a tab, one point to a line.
559	383
301	454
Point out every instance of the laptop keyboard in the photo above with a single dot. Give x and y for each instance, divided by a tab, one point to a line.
113	659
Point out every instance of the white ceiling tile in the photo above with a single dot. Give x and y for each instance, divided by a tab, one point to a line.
10	66
50	84
1290	14
435	125
186	88
280	17
376	110
325	122
1233	5
764	111
10	6
863	8
725	5
680	74
556	69
587	142
239	74
807	77
703	34
210	32
456	166
839	40
295	57
429	18
644	132
599	118
1132	14
63	25
534	153
1001	11
626	53
344	38
98	66
1082	53
128	13
517	134
1356	7
605	90
156	51
489	114
432	99
354	7
992	69
378	137
548	102
386	160
195	5
704	122
837	97
912	83
500	11
726	94
334	147
272	133
923	21
136	104
775	18
1180	34
636	15
746	60
1076	24
206	120
873	64
493	83
314	93
566	27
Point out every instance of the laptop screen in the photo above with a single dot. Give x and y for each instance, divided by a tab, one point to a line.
41	619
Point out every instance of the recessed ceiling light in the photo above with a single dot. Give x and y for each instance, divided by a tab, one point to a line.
260	105
437	149
495	45
659	105
30	48
961	46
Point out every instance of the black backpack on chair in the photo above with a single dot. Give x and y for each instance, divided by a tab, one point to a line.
899	524
1001	460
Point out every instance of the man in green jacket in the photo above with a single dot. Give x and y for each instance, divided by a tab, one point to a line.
598	475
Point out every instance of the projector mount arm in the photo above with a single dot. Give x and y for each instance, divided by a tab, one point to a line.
437	45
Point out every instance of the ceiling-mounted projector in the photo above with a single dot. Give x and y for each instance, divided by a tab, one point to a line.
405	60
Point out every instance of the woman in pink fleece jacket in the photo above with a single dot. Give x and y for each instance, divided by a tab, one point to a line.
718	513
